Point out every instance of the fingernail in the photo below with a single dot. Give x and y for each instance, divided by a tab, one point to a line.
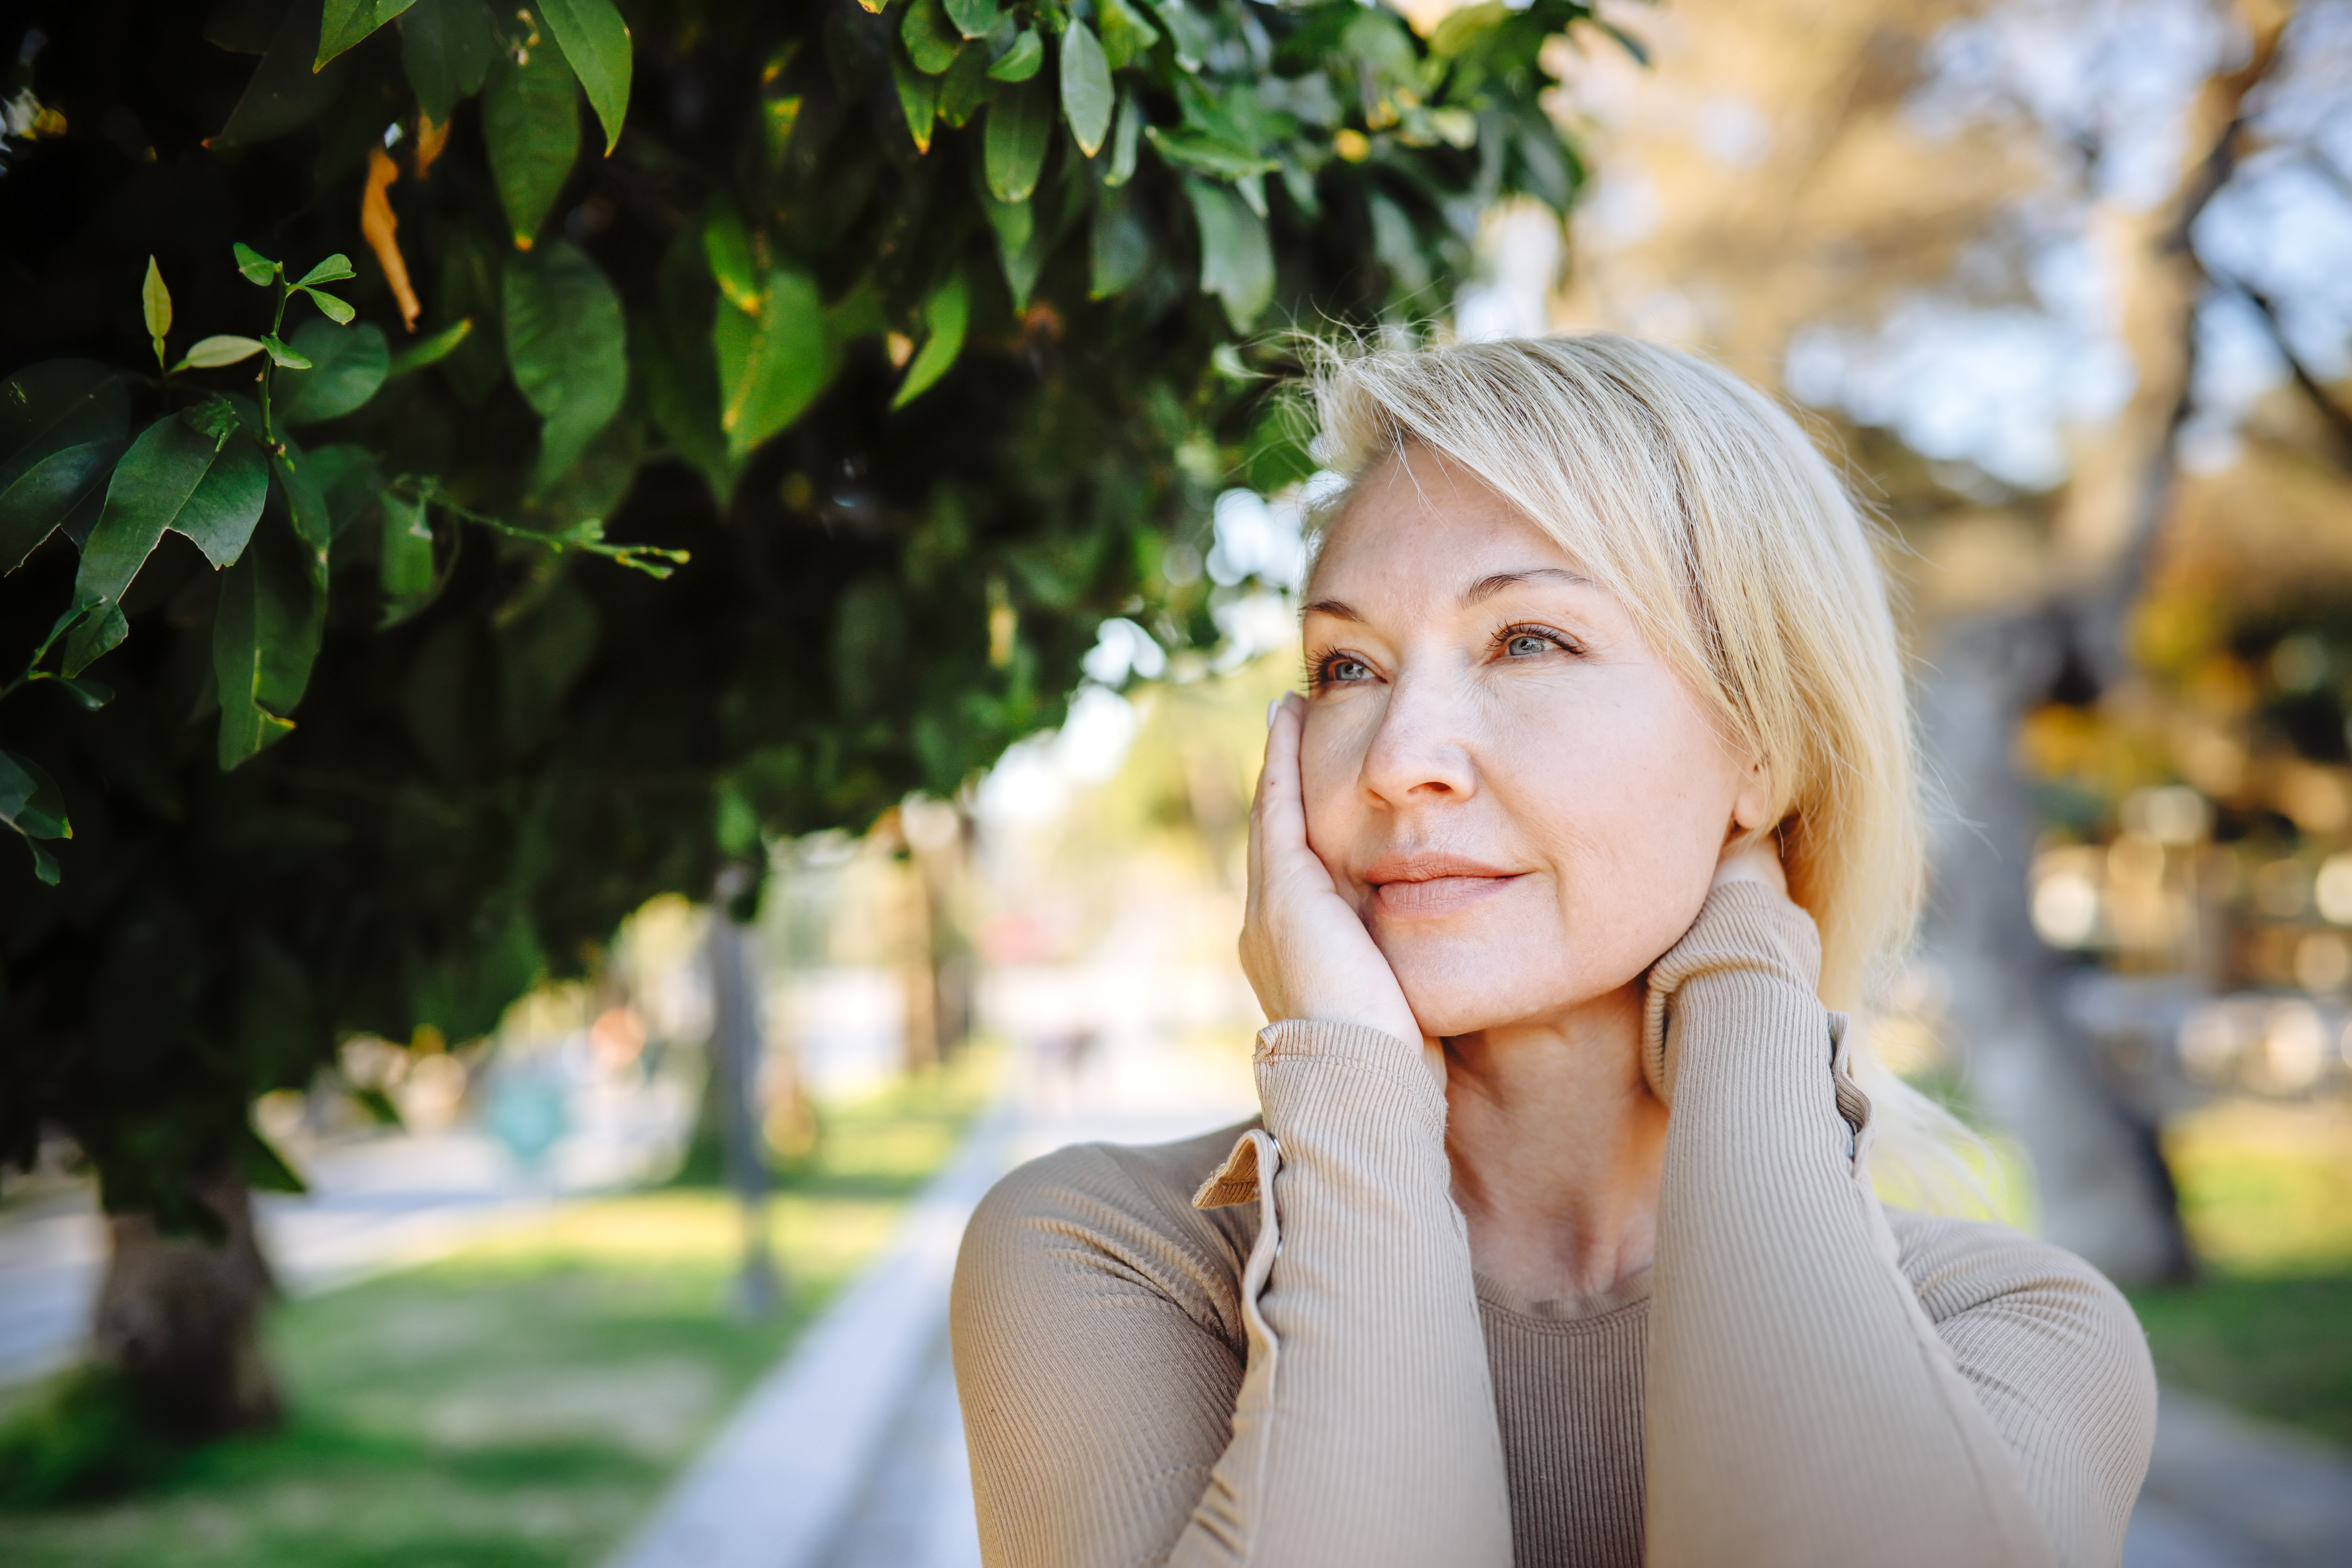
1272	709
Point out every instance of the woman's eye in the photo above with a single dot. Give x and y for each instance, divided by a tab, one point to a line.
1346	670
1527	644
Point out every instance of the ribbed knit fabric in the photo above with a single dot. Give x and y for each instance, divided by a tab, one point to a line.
1309	1373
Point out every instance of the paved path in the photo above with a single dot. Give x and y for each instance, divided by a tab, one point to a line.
850	1454
2226	1492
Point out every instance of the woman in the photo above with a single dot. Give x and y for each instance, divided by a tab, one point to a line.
1557	1242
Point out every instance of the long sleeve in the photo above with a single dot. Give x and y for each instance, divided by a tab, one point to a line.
1365	1433
1800	1407
1111	1419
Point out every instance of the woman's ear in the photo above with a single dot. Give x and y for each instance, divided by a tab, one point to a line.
1751	807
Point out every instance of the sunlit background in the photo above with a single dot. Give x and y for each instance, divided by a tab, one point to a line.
2067	284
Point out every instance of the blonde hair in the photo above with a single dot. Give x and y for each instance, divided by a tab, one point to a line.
1702	506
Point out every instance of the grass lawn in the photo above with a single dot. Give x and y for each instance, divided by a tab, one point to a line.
2267	1193
523	1402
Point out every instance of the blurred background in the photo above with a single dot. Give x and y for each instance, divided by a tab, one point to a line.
2067	286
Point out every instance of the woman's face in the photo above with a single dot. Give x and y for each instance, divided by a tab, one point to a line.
1523	802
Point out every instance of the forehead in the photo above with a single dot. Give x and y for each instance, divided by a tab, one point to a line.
1422	523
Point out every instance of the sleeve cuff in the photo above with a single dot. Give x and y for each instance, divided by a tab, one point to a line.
1743	926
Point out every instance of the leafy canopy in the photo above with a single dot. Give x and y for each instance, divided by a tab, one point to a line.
903	341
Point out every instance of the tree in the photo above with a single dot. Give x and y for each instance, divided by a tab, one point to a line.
905	343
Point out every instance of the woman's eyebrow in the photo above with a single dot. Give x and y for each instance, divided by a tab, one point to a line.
1488	587
1337	609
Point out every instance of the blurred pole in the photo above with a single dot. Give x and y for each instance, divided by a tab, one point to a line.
739	1040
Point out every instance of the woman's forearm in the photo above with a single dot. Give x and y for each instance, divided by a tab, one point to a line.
1365	1433
1800	1408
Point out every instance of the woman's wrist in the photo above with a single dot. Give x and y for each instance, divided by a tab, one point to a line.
1745	927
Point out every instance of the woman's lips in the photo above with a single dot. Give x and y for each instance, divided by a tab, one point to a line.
1426	885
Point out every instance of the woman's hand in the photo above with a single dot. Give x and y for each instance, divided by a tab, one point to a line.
1305	952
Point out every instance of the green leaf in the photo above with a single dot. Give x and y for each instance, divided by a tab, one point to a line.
1124	141
46	494
772	366
265	634
405	561
98	632
1186	32
284	355
448	46
1021	61
92	694
1397	244
215	418
1126	36
974	18
1020	125
31	803
531	120
945	315
932	42
211	354
727	245
1236	257
155	305
287	90
258	270
171	477
919	101
347	365
1210	154
1086	87
568	347
670	349
334	310
30	800
57	403
348	22
431	349
595	41
304	485
966	86
1119	247
1021	244
346	476
333	269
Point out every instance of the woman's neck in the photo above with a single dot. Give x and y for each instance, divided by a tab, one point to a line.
1557	1145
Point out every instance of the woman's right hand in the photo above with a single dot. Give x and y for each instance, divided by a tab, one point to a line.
1307	953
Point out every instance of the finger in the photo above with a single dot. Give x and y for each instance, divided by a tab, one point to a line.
1282	805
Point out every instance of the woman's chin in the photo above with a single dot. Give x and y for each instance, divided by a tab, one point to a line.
1462	989
1453	1004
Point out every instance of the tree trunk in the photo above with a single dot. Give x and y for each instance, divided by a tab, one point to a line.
2103	1187
180	1318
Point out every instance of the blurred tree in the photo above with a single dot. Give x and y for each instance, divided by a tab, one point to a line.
1976	237
910	339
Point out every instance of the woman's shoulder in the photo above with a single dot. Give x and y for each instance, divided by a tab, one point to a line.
1065	1220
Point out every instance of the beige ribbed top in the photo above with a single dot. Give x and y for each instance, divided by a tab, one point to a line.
1306	1370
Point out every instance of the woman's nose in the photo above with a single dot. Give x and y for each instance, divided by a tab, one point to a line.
1420	753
